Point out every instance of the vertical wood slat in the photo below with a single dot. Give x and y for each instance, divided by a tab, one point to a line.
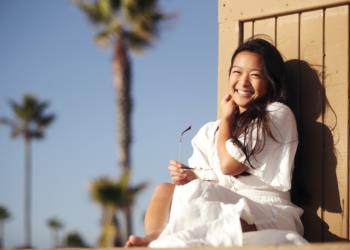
336	85
265	27
287	40
248	30
287	36
311	158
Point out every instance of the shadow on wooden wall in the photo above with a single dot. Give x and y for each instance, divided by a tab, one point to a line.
315	185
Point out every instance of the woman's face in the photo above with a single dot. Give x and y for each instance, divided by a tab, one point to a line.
247	80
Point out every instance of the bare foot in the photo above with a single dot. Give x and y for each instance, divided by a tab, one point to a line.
136	241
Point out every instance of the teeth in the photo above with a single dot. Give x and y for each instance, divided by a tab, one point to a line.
244	93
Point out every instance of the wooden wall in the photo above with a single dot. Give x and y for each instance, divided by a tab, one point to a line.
313	37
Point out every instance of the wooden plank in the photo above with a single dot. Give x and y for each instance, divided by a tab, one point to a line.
265	28
336	193
242	10
287	42
248	30
311	129
288	37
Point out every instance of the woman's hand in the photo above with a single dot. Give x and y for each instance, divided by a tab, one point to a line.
229	166
180	173
228	107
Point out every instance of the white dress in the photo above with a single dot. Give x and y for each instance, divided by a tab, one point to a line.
207	211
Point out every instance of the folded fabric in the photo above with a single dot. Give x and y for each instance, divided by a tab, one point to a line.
273	236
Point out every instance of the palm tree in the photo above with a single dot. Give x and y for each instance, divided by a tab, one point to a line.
74	240
125	25
29	123
4	215
113	196
55	225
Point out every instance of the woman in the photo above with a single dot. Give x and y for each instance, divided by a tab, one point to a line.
239	175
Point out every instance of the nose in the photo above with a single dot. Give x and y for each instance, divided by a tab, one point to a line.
244	80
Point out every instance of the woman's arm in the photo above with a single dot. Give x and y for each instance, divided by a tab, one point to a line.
229	166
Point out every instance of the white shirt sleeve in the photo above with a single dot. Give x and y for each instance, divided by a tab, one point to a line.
199	159
275	162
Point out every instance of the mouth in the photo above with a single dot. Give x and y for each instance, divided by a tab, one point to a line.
245	93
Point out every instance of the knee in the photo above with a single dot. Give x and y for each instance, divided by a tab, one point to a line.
164	189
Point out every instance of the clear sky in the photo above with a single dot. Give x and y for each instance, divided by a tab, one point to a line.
47	49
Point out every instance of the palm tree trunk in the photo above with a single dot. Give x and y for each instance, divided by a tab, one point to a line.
110	228
122	84
27	192
110	236
55	239
128	217
2	231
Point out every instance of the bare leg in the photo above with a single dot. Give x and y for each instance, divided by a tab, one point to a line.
157	215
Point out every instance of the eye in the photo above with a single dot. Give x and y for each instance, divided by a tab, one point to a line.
255	75
235	71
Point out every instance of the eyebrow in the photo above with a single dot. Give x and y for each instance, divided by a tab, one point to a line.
234	66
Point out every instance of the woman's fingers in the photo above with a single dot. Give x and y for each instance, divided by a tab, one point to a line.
180	173
176	172
228	97
228	106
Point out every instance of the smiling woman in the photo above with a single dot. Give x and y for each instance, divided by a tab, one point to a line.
248	158
247	79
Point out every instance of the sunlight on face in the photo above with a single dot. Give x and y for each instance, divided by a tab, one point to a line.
247	80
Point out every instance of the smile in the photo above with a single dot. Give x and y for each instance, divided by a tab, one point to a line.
244	92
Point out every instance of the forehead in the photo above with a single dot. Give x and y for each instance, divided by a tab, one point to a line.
247	59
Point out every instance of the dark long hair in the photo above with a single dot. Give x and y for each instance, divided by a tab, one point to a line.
256	115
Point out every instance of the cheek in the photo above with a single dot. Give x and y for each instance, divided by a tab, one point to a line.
260	88
232	81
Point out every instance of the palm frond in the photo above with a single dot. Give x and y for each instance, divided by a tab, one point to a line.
44	121
105	9
134	8
16	131
110	31
7	121
41	106
16	108
54	223
98	12
4	213
137	20
103	38
138	188
136	42
115	4
15	128
30	118
36	134
116	194
105	191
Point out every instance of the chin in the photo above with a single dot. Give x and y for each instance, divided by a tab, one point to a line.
242	103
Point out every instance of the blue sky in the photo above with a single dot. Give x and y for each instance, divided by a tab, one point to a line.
47	49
